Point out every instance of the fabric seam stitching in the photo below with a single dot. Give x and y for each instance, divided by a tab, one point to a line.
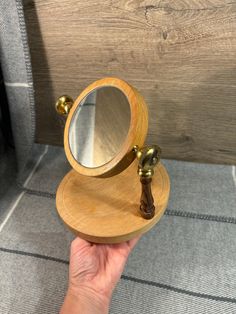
129	278
29	75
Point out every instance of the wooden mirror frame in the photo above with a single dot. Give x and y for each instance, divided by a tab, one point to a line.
136	134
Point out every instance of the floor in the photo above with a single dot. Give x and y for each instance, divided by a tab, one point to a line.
185	264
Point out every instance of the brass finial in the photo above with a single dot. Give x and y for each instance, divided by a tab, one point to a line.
148	157
64	104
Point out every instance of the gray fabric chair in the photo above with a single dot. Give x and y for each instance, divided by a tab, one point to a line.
17	75
185	264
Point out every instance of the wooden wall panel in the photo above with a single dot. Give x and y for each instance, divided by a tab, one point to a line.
181	55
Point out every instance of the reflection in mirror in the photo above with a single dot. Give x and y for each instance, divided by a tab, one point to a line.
99	126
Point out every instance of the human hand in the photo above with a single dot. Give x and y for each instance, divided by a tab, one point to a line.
94	271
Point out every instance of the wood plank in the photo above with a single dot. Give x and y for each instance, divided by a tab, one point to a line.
108	210
181	55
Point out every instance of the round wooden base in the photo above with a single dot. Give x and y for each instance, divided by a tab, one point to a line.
106	210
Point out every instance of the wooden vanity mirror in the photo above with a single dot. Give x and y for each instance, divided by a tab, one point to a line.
113	193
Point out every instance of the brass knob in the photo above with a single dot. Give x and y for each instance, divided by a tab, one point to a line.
63	105
148	158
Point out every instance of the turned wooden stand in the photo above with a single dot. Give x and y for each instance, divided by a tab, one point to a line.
107	210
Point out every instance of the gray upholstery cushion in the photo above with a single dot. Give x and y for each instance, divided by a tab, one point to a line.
17	75
185	264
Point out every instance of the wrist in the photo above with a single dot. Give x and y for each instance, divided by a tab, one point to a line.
84	301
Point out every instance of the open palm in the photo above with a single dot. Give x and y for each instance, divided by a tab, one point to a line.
97	267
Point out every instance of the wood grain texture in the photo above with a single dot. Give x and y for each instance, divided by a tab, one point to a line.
136	134
181	55
107	210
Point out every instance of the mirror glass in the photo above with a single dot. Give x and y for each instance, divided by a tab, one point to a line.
99	126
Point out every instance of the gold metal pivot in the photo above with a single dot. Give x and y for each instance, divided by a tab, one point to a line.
63	105
148	158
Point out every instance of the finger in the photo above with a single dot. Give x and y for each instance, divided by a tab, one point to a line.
78	244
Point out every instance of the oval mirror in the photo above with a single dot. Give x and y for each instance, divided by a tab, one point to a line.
99	126
106	121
